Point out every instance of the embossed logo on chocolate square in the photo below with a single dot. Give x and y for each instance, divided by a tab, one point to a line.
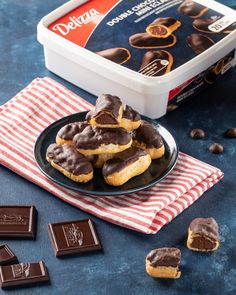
73	235
21	270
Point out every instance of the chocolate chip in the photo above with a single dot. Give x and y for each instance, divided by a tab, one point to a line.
216	148
197	134
231	133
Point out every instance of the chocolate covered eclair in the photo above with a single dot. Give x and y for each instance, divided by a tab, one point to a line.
66	159
163	27
144	40
148	138
94	140
125	165
66	133
199	43
202	24
192	9
131	119
117	55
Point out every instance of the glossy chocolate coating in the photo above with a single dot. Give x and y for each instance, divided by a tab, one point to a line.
68	158
191	8
231	133
148	134
130	114
68	131
144	40
106	110
18	221
216	148
164	21
92	137
23	274
199	43
197	134
205	228
117	55
164	257
73	237
202	24
122	160
6	255
157	56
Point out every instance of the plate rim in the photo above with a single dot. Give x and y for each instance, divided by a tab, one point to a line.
99	193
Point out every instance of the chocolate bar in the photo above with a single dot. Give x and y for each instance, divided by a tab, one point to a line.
163	263
144	40
23	274
163	27
18	221
73	237
192	9
6	255
117	55
203	235
156	63
199	43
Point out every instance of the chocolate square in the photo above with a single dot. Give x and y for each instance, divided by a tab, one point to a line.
73	237
18	221
6	255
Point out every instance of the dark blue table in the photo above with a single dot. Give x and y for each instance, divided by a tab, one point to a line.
120	269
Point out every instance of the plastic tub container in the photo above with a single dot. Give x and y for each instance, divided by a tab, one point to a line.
72	34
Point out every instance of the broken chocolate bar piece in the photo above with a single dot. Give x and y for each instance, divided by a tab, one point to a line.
203	235
199	43
117	55
18	221
192	9
164	263
6	255
73	237
156	63
144	40
23	274
163	27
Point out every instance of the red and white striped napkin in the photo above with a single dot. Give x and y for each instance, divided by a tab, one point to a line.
42	102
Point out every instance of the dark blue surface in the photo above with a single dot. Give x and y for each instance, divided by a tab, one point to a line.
120	268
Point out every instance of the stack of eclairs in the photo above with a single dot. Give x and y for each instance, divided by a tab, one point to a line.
113	138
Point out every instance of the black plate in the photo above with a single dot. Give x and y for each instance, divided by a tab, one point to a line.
159	168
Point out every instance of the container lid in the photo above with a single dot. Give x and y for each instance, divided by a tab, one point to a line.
152	37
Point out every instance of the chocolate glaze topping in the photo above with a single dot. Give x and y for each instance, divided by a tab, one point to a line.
106	109
122	160
130	114
69	159
164	21
144	40
191	8
164	257
148	134
68	131
117	55
205	227
92	137
199	43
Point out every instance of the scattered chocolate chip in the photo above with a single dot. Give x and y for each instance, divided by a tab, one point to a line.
231	133
197	134
216	148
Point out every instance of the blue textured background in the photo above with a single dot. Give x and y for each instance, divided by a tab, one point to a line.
120	269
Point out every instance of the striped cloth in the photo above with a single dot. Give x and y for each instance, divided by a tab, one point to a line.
42	102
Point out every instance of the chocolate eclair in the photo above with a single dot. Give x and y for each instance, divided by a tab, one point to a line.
131	119
117	55
163	27
202	24
192	9
144	40
199	43
164	263
66	133
148	138
68	161
107	112
156	63
125	165
203	235
94	140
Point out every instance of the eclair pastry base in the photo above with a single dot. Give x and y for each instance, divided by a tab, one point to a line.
136	168
101	160
62	141
191	239
155	153
129	125
77	178
167	272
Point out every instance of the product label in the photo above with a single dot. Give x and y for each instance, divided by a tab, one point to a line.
152	37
